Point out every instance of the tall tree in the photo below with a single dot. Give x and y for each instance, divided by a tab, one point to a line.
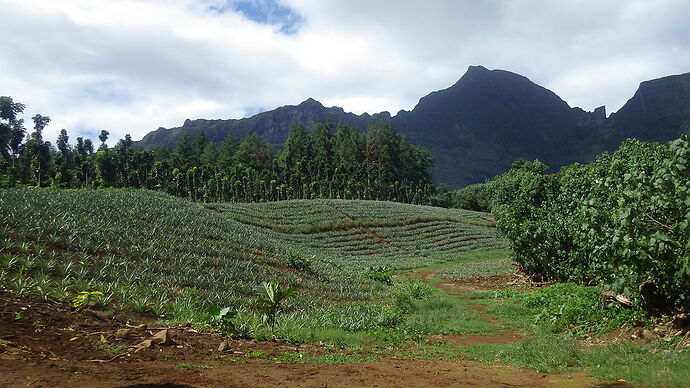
103	138
39	151
254	152
11	128
65	174
296	147
226	152
184	156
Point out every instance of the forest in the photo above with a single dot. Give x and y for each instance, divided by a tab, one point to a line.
329	161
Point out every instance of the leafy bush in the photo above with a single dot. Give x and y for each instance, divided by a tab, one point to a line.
221	318
297	262
619	221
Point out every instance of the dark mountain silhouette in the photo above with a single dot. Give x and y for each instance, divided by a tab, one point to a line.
476	128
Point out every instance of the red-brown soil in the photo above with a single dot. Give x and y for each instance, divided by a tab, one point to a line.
52	345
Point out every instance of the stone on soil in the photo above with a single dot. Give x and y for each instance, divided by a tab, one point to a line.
163	338
122	333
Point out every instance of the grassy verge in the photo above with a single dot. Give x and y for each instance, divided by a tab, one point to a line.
557	318
414	309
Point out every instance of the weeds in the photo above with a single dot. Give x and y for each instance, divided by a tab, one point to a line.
110	348
297	262
189	365
379	274
221	318
84	298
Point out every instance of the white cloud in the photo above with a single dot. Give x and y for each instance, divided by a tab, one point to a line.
131	66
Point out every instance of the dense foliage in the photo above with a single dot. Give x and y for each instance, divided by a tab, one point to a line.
327	162
622	221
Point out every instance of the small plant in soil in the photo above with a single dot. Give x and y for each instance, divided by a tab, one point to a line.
269	304
221	319
84	298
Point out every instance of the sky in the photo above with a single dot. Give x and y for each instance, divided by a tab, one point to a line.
131	66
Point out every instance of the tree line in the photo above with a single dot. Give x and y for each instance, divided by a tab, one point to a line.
326	162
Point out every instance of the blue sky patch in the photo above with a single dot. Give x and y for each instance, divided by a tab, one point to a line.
110	92
251	111
271	12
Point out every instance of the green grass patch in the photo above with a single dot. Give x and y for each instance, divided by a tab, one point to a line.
477	255
189	365
561	307
557	353
110	348
556	317
441	313
577	309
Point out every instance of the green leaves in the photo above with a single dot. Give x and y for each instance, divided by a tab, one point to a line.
269	304
221	318
618	221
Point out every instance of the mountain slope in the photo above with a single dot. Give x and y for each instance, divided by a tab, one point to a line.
477	127
658	111
272	126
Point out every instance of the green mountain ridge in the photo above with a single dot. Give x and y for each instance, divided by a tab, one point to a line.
477	127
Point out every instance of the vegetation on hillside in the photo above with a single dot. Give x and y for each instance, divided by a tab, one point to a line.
152	253
328	162
622	221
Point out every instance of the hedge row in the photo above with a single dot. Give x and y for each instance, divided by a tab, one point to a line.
621	221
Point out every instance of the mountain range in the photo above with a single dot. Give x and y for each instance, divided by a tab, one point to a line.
476	128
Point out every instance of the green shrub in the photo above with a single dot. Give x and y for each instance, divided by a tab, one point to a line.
297	262
619	221
409	290
380	274
270	302
221	318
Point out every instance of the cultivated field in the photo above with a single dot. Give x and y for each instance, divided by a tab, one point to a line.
384	294
152	253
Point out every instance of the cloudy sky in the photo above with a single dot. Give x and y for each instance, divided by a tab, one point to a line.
131	66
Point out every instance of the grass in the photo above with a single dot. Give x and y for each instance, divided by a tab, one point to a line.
485	268
557	317
562	307
110	348
640	365
188	365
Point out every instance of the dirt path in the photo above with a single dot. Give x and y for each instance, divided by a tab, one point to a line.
459	289
48	345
